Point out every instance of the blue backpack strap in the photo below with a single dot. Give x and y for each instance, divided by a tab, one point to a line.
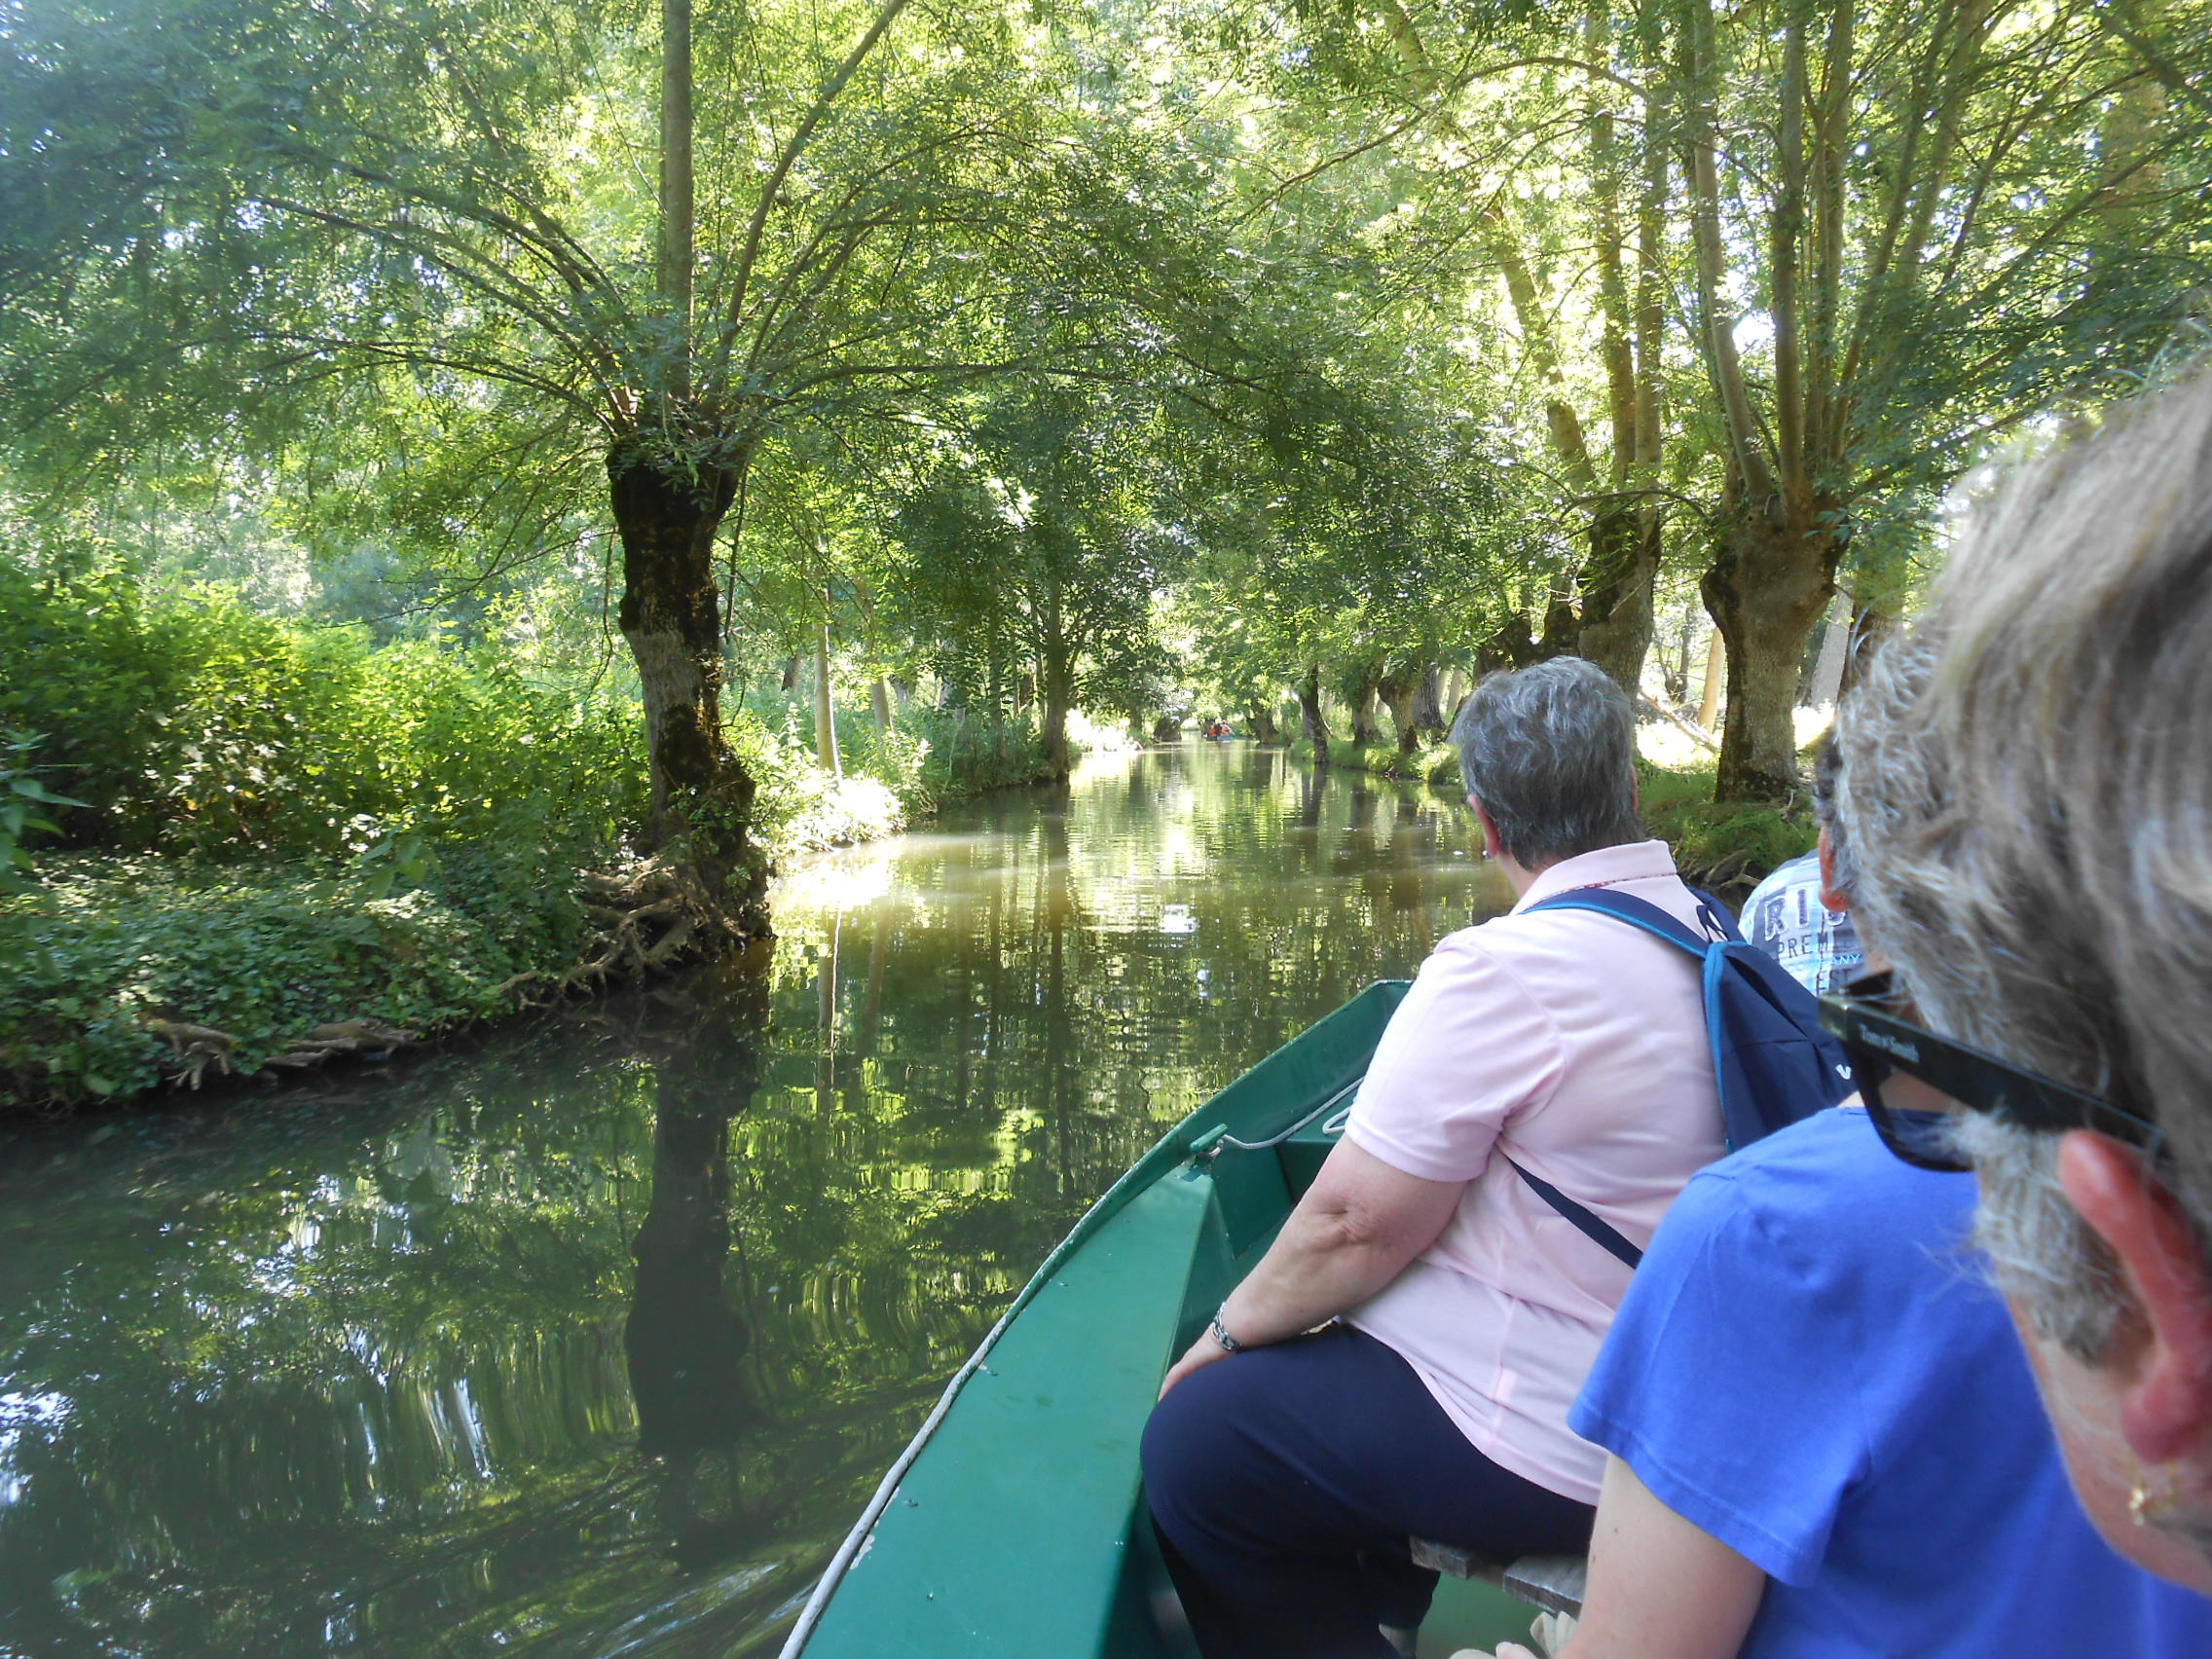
1643	914
1646	917
1712	913
1593	1228
1771	1061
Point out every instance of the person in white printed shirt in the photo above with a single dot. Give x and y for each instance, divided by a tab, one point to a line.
1793	914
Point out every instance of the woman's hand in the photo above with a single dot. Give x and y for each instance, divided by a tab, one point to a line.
1197	1357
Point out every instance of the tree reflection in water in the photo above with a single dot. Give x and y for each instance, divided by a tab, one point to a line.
592	1337
685	1341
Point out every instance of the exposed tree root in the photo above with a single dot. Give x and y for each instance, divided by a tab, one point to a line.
203	1049
200	1049
646	917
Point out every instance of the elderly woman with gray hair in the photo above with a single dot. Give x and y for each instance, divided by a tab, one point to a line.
2028	783
1286	1471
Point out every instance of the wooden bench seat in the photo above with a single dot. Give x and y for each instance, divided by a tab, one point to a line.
1552	1582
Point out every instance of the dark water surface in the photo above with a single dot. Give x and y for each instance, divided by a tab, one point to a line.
590	1338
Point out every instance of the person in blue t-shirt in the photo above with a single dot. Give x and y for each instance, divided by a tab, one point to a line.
1825	1442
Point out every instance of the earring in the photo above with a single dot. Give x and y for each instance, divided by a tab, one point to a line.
2153	1498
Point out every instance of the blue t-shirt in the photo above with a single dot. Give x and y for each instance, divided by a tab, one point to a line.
1818	947
1810	1368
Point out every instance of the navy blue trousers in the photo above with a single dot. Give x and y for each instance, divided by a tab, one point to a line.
1285	1482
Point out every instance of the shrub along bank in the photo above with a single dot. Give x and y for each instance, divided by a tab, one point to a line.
1724	846
244	843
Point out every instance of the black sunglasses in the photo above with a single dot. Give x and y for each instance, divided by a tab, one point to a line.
1880	1042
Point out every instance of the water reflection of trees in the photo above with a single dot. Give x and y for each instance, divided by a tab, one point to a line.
418	1369
1042	1027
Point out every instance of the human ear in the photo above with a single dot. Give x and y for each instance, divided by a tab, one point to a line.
1831	896
2161	1370
1493	847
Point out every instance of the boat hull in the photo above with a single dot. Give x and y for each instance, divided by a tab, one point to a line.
1014	1524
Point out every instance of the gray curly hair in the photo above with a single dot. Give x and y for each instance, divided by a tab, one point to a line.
1550	752
2027	783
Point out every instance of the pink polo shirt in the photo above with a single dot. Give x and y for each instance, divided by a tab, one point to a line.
1574	1045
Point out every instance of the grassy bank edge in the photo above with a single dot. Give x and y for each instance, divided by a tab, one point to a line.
125	976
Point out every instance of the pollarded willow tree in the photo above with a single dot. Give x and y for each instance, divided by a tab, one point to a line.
1947	221
1805	262
589	231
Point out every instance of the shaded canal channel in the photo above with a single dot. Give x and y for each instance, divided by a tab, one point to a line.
589	1337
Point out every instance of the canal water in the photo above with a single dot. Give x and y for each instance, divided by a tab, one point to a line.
589	1337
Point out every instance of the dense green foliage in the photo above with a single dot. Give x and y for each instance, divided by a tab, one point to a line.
186	721
1395	340
288	826
265	952
901	386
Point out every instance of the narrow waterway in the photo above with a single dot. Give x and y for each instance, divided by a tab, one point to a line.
589	1337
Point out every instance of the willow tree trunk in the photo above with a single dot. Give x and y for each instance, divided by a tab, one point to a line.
1428	704
1359	693
1397	690
1056	692
1715	676
1261	721
1617	579
1769	585
701	798
1315	723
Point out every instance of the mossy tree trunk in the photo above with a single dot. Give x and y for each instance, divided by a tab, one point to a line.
1359	686
1316	724
700	801
671	618
1770	584
1056	696
1398	688
1428	703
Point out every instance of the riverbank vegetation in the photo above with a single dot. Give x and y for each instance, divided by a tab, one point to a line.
481	482
1724	846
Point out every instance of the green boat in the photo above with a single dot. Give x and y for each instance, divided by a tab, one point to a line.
1013	1523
